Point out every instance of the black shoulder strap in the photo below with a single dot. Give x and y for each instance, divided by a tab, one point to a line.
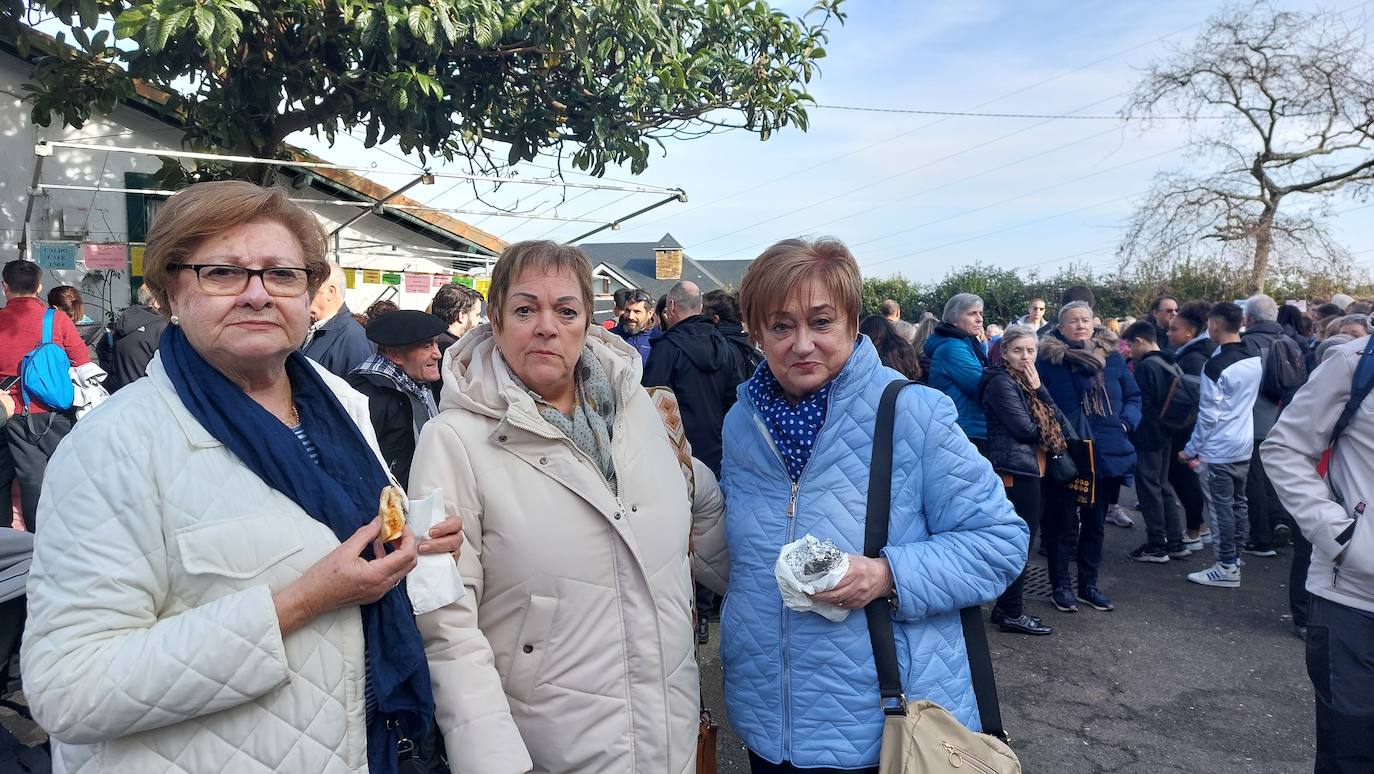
880	630
1360	388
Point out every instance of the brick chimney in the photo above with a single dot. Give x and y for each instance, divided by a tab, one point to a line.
667	259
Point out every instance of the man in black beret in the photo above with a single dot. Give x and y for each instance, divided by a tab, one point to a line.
396	380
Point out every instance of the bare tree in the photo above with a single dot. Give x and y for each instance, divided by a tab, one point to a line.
1282	104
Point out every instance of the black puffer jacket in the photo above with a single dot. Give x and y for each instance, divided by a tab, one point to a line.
1013	435
695	361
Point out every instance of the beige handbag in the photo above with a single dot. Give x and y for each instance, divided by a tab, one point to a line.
923	738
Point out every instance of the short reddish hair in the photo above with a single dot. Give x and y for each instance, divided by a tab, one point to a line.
203	210
778	273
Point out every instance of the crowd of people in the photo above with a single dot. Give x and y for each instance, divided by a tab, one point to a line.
228	594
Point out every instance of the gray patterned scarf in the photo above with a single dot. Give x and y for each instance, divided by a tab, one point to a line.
593	414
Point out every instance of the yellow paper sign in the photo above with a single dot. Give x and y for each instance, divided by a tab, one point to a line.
350	278
372	276
483	285
136	259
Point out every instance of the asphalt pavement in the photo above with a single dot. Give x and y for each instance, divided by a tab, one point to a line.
1178	678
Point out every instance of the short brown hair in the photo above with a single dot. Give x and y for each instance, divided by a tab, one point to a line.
203	210
542	256
781	269
67	299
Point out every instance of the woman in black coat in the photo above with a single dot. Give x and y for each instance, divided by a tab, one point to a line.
1023	431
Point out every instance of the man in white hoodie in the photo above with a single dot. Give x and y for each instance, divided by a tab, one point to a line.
1223	440
1326	415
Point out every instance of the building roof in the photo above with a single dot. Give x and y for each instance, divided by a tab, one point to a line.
634	262
155	102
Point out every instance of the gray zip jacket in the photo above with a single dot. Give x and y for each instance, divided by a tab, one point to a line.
1328	510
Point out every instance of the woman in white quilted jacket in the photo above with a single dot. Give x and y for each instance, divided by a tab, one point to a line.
210	594
573	648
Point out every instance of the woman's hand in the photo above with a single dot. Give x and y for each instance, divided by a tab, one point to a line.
343	578
867	580
446	537
1032	374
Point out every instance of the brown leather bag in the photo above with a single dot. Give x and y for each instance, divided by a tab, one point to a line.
706	743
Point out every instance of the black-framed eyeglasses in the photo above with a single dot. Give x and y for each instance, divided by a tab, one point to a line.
219	279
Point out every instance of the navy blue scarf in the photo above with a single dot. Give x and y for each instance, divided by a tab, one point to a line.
341	492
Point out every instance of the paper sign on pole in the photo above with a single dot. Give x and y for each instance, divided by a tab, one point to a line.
441	280
372	276
350	278
55	256
136	259
417	283
483	285
100	256
464	280
391	278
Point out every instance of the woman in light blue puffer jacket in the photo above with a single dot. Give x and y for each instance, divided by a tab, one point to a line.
802	692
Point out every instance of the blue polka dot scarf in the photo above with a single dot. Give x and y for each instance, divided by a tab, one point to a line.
793	428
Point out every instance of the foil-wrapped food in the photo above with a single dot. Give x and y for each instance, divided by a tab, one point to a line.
809	566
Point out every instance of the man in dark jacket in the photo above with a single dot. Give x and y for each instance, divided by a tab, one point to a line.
700	367
1192	348
723	309
1162	312
633	324
1268	521
136	334
1155	373
336	340
396	382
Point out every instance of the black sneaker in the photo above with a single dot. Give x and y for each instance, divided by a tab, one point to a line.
1026	624
1283	536
1152	554
1255	549
1093	596
1178	551
1064	600
703	631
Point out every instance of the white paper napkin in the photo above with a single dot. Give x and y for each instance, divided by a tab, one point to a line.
435	581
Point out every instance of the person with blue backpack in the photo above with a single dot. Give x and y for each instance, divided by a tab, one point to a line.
38	347
1320	458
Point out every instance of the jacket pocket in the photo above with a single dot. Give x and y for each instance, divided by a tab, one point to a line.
531	646
236	548
1355	565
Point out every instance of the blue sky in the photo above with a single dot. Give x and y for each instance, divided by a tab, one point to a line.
916	194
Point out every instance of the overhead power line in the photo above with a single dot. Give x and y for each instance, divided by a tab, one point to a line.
974	114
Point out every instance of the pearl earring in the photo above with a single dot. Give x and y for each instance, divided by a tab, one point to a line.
176	320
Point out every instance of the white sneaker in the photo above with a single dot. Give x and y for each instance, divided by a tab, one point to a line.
1222	575
1117	515
1206	537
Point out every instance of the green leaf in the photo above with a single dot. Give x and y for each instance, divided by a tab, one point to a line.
422	23
172	24
205	24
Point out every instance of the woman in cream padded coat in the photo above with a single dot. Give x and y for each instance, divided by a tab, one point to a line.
573	648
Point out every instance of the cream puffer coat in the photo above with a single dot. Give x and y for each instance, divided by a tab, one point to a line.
573	648
152	643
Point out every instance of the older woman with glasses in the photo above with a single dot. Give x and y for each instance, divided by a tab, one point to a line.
211	593
802	691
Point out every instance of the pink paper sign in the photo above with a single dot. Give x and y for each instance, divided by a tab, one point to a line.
105	255
441	280
417	283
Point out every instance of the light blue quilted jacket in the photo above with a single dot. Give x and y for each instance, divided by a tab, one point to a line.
798	687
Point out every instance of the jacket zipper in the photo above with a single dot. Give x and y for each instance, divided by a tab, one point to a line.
791	523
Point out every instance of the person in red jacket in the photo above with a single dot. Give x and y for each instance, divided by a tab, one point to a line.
31	440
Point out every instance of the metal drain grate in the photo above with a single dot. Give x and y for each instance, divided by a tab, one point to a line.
1037	582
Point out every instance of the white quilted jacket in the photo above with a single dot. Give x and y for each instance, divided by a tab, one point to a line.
152	643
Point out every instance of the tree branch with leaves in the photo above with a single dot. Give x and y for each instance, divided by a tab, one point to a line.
602	81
